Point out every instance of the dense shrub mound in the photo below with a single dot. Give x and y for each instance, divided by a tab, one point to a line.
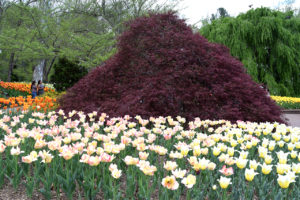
66	74
162	68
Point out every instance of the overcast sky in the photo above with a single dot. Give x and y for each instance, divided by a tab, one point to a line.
195	10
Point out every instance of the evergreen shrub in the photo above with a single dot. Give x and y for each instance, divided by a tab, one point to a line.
66	74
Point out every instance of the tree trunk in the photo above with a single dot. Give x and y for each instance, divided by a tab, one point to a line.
47	71
11	66
44	69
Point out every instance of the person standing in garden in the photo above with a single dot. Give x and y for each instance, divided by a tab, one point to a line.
33	89
40	88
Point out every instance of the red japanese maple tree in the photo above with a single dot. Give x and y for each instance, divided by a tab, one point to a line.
162	68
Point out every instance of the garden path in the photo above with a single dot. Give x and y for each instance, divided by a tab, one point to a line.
293	118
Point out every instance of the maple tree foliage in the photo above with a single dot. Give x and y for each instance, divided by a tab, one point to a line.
162	68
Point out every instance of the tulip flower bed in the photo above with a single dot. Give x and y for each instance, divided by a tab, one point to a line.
24	103
161	157
7	92
17	95
287	102
15	89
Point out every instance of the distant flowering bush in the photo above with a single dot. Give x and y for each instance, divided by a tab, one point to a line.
163	68
136	158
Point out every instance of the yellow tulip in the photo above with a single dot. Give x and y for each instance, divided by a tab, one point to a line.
262	151
211	166
276	136
233	143
216	151
203	163
223	147
249	174
293	154
287	138
244	154
296	168
297	145
249	144
282	157
230	151
291	146
281	143
266	169
241	163
189	181
224	182
265	143
240	140
294	138
223	157
282	168
204	151
178	173
258	132
67	140
284	181
272	145
184	150
170	165
253	164
116	173
197	151
268	159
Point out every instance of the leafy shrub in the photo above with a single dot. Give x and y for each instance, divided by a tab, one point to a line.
14	77
163	69
66	74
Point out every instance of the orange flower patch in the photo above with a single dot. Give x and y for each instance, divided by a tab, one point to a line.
39	103
23	87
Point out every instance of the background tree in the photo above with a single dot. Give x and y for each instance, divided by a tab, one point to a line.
85	31
115	12
221	13
15	36
268	44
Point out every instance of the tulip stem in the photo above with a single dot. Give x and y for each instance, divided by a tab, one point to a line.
224	195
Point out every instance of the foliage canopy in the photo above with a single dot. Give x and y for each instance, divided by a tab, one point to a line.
268	44
162	68
41	31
